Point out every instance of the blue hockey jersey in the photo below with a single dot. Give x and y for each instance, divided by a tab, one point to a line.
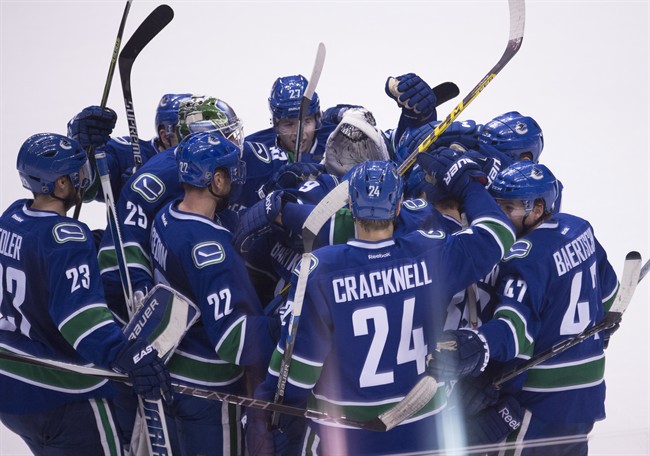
52	306
194	255
555	282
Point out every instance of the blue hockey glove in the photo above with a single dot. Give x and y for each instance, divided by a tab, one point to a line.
257	220
413	95
291	176
92	126
262	440
146	371
495	423
489	165
476	393
334	114
458	354
606	334
451	169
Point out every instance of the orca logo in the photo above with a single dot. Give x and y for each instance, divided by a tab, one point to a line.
433	234
149	187
66	232
214	140
521	128
415	204
208	253
537	174
260	152
65	144
313	262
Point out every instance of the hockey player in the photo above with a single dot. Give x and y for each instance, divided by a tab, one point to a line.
192	252
92	128
52	306
348	359
554	282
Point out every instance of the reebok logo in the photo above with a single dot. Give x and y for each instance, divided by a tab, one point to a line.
267	203
510	420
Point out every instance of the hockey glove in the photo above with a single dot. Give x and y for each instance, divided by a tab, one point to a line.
257	221
260	440
92	126
458	354
290	176
334	114
476	393
146	371
451	169
489	165
495	423
413	95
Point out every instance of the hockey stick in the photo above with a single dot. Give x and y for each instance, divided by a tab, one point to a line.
384	422
150	27
444	92
338	197
309	94
631	277
107	87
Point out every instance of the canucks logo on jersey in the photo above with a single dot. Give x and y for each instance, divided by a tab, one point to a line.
208	253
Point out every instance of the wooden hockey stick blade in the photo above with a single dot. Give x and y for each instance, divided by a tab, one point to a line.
309	94
516	37
445	91
629	280
418	397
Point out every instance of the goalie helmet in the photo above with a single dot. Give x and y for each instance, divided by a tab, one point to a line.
286	97
200	154
202	113
44	157
513	135
167	111
375	190
354	140
527	181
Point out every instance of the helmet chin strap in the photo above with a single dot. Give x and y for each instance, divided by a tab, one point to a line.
222	201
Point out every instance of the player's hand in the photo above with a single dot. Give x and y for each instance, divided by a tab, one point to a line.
451	169
413	95
146	371
458	354
92	126
291	176
493	424
257	220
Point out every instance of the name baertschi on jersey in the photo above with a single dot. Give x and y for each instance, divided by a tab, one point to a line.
364	285
575	252
10	244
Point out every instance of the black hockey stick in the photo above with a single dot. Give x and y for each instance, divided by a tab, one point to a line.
150	27
384	422
632	275
107	87
309	94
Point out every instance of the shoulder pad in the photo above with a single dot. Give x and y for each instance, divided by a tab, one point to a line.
520	249
68	231
149	187
415	204
208	253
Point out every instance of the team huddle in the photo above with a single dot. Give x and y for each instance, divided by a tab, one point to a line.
459	268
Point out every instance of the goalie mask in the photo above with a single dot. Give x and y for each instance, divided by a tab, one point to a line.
202	113
355	140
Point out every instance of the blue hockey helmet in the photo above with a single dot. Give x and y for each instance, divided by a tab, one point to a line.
286	97
527	181
204	113
45	157
375	190
167	110
199	154
513	134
